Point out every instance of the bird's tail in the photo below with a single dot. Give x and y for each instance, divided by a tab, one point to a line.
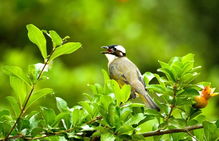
149	102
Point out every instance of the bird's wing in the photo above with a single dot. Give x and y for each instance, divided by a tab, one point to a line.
124	70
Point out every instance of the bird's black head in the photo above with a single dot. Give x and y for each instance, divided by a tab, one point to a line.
116	50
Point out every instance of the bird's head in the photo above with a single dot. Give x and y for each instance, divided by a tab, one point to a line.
115	50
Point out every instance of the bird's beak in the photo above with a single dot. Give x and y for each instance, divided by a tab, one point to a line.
106	51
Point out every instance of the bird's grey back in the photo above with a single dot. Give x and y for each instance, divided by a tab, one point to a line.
123	68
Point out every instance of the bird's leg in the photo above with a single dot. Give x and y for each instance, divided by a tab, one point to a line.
133	95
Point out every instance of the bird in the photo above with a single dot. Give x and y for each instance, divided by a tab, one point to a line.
124	71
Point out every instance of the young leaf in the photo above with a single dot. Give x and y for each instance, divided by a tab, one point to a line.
36	36
17	72
65	49
39	94
61	104
56	39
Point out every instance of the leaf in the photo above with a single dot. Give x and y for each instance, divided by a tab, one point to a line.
135	119
17	72
210	131
107	137
14	105
169	74
39	94
49	115
188	58
125	92
61	104
78	116
19	87
36	36
56	39
65	49
148	76
125	129
59	117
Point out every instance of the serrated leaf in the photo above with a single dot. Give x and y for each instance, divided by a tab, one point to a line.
36	36
61	104
56	39
67	48
17	72
39	94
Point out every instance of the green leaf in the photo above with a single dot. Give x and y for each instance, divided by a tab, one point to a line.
56	39
135	119
188	58
59	117
148	76
125	129
107	137
113	115
169	74
123	94
67	48
125	113
210	131
14	105
17	72
36	36
19	87
61	104
49	115
78	116
39	94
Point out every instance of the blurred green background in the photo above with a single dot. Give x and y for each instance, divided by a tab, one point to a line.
151	30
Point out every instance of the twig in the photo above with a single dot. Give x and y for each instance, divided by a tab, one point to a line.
174	101
51	134
29	95
169	131
148	134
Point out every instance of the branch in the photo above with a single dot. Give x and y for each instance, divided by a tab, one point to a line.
51	134
169	131
28	96
174	102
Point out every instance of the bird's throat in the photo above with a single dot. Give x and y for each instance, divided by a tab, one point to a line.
110	58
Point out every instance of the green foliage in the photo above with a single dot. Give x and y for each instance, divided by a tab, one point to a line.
108	114
36	36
